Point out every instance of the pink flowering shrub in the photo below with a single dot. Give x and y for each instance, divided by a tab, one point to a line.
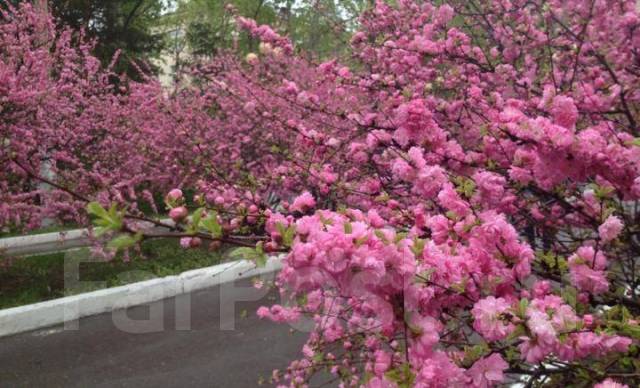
72	131
458	201
475	192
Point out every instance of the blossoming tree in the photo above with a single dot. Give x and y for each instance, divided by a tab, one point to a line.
458	202
82	129
470	183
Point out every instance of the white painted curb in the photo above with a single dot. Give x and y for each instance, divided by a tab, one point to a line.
57	241
44	243
39	315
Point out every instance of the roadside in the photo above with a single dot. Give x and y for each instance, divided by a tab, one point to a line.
99	354
39	278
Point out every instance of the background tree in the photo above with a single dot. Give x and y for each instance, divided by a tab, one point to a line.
323	27
320	27
117	25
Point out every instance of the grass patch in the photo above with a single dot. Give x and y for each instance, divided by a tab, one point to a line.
39	278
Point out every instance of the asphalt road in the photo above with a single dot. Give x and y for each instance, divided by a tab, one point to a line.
177	342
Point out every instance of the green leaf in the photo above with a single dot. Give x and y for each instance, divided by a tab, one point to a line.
360	241
563	266
124	241
243	253
256	255
111	220
474	353
519	331
325	221
634	142
261	260
425	276
512	354
459	287
570	295
465	187
211	225
401	375
522	308
94	208
380	235
451	215
100	231
318	357
418	247
197	216
302	300
603	192
400	236
287	233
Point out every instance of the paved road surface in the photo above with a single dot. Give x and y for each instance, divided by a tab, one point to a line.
99	354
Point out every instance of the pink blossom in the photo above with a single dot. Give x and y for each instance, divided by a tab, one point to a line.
185	242
609	383
610	229
439	226
429	181
489	320
303	203
380	382
450	200
488	371
564	111
490	186
263	312
402	169
544	336
382	362
586	269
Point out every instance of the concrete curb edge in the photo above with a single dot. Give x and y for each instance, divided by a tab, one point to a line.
49	313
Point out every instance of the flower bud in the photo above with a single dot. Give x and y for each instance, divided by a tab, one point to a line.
185	242
252	59
190	242
265	48
270	247
195	242
215	245
179	213
175	194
